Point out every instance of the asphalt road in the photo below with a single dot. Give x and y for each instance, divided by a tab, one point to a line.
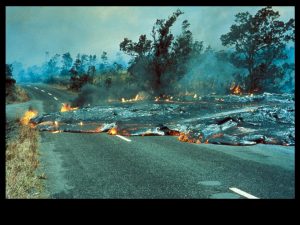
104	166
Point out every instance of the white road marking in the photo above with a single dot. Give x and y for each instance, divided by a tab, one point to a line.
124	138
55	98
49	93
36	88
245	194
42	91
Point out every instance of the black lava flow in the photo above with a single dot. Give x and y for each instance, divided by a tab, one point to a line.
230	120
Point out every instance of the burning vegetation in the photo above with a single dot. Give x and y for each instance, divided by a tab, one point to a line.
236	89
67	107
28	115
136	98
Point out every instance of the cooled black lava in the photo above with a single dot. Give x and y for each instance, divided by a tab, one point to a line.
232	120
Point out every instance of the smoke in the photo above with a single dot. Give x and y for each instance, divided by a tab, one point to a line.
89	94
209	74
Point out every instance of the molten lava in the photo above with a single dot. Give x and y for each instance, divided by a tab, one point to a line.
28	115
236	89
67	107
174	133
113	131
56	131
186	138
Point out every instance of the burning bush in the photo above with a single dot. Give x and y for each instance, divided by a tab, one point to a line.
67	107
28	115
236	89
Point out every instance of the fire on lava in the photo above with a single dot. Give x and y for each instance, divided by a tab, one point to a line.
67	107
25	120
236	89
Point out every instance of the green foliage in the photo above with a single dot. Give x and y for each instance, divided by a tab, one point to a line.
259	41
67	64
162	61
9	81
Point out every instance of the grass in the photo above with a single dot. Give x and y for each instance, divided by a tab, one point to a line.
22	161
18	95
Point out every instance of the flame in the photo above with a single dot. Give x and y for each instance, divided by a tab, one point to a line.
136	98
195	96
56	131
186	138
113	131
163	98
183	137
235	89
81	123
28	115
67	107
206	142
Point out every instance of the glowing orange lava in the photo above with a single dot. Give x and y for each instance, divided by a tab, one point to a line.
67	107
113	131
28	115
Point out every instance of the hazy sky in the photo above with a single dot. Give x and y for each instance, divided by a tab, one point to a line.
31	31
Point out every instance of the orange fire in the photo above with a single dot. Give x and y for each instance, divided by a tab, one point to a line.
28	115
236	89
136	98
113	131
165	98
56	131
186	138
183	137
67	107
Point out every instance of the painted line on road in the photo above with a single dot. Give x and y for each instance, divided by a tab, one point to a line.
124	138
42	91
55	98
36	88
49	93
243	193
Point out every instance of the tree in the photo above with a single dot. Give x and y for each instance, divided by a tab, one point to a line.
92	65
9	81
8	70
159	62
259	41
66	64
52	65
77	64
103	64
162	41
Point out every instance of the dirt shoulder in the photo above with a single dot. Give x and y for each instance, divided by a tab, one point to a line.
24	176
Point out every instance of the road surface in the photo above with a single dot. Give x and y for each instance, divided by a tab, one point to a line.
104	166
